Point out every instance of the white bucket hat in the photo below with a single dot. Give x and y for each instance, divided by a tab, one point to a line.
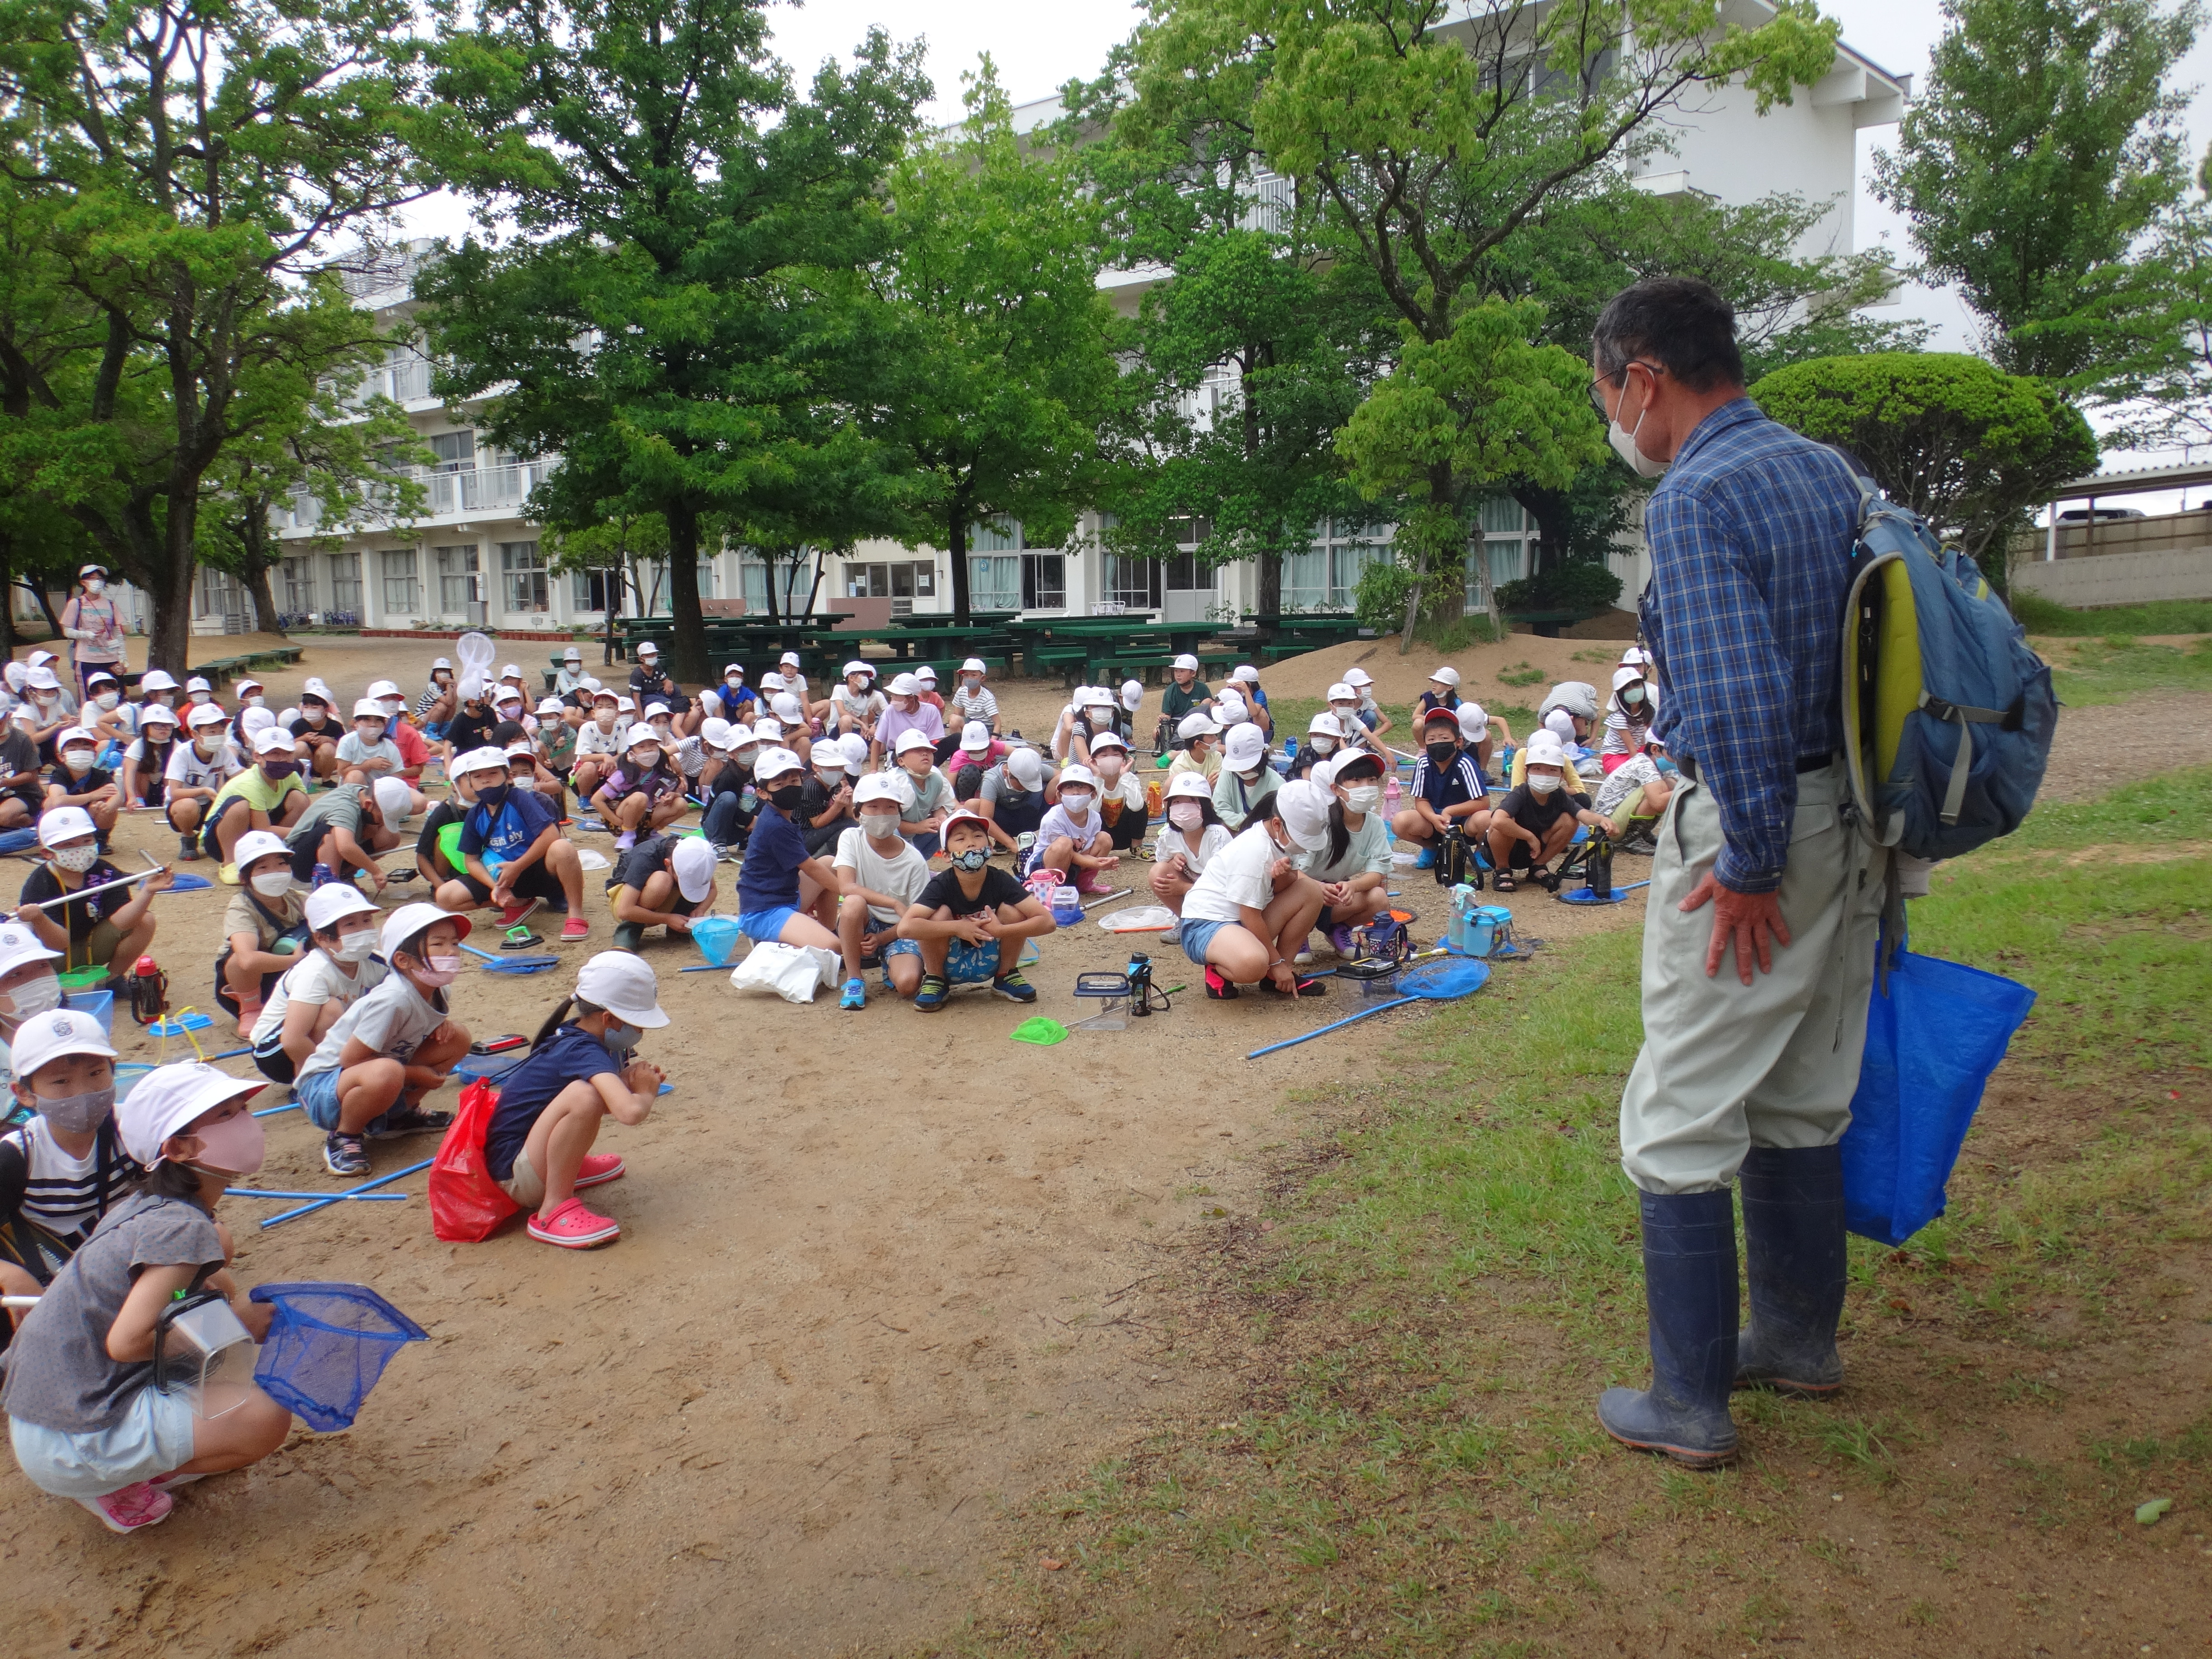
622	982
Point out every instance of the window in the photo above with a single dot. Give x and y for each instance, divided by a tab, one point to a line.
1133	582
524	574
995	535
458	584
345	585
1325	577
456	451
298	586
1044	581
1507	533
794	581
1189	532
897	579
595	590
707	579
995	583
399	585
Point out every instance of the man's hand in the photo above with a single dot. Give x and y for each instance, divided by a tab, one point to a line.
1745	920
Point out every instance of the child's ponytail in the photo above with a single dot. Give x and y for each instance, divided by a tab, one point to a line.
572	1007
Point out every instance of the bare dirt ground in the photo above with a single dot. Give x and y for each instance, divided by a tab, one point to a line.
881	1275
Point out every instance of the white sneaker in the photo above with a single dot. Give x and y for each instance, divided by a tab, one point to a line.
1304	959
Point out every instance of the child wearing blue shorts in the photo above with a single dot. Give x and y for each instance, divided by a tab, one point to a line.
964	917
768	910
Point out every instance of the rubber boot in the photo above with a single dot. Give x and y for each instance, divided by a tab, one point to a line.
1690	1293
1793	1229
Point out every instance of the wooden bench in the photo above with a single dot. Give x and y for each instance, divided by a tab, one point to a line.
1546	624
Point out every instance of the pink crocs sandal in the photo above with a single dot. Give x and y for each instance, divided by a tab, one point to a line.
139	1504
572	1227
598	1167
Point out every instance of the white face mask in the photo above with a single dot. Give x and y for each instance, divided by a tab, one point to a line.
605	719
1624	443
35	996
273	883
356	946
1632	695
1110	766
205	747
76	860
1541	783
1186	814
108	699
1362	798
256	701
1078	805
880	826
1320	745
394	707
660	729
93	585
370	732
201	696
79	761
643	758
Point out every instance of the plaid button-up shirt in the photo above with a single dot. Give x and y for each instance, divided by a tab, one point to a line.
1750	533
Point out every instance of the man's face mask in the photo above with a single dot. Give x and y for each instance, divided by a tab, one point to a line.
1624	442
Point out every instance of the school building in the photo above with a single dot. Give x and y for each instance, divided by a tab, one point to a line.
474	559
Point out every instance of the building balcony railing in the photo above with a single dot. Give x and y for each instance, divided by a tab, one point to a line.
445	494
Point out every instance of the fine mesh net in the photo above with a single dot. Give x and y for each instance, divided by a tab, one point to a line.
717	938
1439	981
327	1345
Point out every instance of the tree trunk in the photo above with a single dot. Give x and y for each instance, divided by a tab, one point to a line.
7	599
37	586
956	542
1271	583
814	592
688	631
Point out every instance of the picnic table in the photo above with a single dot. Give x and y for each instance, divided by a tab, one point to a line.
952	642
1291	634
747	640
1094	647
1546	624
221	670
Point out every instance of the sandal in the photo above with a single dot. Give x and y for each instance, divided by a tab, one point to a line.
1546	879
1503	883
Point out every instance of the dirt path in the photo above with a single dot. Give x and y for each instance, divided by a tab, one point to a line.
883	1273
2106	744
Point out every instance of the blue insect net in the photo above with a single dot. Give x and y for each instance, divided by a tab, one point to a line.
717	938
1440	981
327	1345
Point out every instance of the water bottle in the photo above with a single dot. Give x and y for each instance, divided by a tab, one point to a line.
1392	794
150	992
323	876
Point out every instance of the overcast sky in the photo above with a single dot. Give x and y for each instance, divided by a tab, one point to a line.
1037	48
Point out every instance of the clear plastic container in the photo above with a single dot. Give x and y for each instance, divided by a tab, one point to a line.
207	1357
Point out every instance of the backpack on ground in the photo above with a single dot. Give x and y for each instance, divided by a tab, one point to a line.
1948	714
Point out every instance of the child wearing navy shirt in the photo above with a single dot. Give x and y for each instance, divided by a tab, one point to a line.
581	1071
1448	788
512	852
776	858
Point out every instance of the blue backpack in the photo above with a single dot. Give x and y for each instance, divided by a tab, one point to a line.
1948	714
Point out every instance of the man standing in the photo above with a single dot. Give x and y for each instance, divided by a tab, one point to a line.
1749	1071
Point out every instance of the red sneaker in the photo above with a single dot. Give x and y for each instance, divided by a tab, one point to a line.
518	911
598	1167
572	1227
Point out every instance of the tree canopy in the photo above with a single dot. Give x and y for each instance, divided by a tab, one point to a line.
1968	447
684	317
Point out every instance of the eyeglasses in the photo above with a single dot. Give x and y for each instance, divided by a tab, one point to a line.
1619	377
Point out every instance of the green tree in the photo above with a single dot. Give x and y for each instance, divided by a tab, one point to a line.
1458	416
178	169
1971	448
1004	368
684	319
614	543
1429	135
2045	144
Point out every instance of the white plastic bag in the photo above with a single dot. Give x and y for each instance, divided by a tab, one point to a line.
1145	918
793	972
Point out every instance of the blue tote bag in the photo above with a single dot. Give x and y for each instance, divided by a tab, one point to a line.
1935	1032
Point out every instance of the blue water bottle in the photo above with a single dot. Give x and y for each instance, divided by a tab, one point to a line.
323	876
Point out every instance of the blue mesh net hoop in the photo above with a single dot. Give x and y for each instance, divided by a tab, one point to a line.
327	1345
1439	981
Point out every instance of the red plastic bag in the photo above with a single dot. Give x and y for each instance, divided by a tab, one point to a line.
466	1205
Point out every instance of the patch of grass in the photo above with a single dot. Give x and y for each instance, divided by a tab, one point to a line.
1413	1468
1521	674
2041	615
2115	667
1462	634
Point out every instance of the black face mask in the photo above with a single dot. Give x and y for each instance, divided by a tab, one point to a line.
786	797
492	796
277	771
1443	754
